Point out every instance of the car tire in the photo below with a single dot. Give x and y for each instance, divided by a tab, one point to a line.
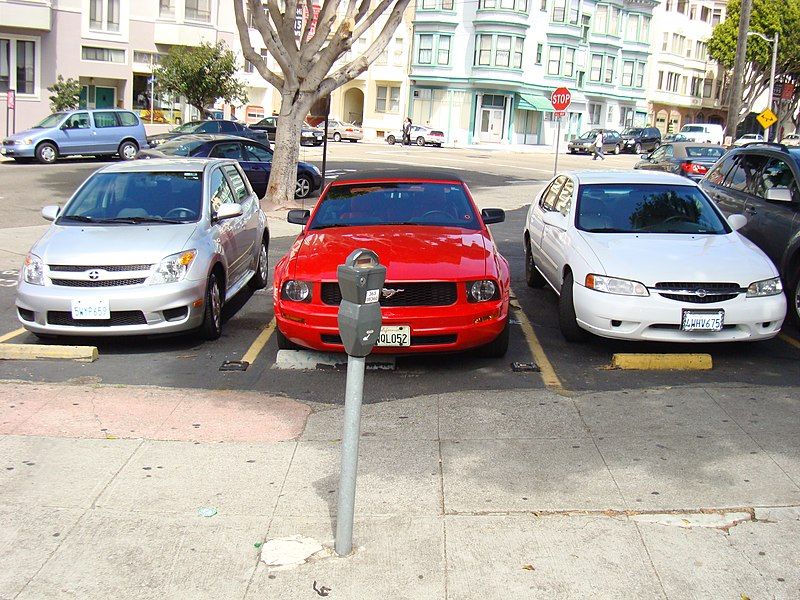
353	141
637	149
46	153
566	313
211	327
498	347
284	343
420	141
616	149
259	279
302	188
337	137
533	278
128	150
793	294
390	140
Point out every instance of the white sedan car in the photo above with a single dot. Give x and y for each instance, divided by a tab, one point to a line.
420	135
648	256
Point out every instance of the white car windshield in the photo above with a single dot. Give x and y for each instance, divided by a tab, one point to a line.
647	208
692	129
134	198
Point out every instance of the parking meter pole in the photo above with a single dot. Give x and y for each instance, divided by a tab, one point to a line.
558	139
354	394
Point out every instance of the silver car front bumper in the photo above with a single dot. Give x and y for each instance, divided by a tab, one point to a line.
135	309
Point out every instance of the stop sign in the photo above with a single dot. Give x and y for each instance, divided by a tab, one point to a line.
560	99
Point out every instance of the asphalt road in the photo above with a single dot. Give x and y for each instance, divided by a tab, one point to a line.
497	178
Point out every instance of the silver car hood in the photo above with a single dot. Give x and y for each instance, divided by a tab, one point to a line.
98	245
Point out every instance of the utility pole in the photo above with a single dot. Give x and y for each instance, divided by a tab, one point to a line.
735	100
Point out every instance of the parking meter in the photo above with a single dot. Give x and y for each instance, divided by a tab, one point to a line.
361	280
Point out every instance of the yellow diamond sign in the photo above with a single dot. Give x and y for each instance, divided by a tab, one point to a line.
767	118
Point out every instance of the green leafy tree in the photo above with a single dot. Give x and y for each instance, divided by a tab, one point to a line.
66	94
202	74
768	17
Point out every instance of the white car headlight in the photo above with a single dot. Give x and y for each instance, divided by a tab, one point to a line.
174	267
306	134
33	270
614	285
297	291
766	287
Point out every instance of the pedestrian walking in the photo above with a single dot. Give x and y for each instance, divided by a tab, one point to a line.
598	146
407	131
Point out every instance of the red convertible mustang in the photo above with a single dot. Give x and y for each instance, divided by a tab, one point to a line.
447	286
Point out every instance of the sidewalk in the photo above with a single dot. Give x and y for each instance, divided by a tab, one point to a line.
670	493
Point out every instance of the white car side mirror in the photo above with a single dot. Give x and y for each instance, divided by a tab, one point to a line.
737	221
779	194
228	211
555	219
50	213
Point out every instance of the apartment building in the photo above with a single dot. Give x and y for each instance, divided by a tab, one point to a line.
483	71
686	86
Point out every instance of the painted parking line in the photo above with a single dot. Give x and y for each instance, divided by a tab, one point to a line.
662	362
12	334
546	370
258	344
789	340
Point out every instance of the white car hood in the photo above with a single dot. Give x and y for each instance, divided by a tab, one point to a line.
651	258
98	245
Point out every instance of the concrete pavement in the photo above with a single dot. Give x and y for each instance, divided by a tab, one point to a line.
688	492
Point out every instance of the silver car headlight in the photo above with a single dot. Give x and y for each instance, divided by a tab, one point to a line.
766	287
174	267
27	141
614	285
33	270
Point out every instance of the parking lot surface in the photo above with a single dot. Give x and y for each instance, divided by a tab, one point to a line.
497	179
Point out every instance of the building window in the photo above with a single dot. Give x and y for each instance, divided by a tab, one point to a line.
383	58
639	81
716	17
597	67
5	65
708	85
447	4
502	55
594	114
574	11
610	60
627	73
569	62
644	30
443	56
585	27
102	54
428	4
484	50
518	47
554	60
559	11
539	50
198	10
248	66
601	18
146	58
387	99
665	42
613	21
166	9
632	31
543	5
26	61
104	15
425	55
507	4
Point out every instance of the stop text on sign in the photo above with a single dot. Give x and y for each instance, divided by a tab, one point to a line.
561	98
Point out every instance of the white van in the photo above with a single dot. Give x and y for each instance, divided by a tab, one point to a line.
703	132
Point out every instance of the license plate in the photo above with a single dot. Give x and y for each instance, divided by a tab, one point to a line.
395	335
707	320
94	308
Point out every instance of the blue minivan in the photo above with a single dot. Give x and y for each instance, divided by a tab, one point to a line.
94	132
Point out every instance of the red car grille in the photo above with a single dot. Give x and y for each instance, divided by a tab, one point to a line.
438	293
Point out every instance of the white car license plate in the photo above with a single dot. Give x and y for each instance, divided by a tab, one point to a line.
395	335
91	308
706	320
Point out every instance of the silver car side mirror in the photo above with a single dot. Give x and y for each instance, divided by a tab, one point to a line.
779	194
50	213
228	211
737	221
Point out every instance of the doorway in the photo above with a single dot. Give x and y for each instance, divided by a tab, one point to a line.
105	97
491	125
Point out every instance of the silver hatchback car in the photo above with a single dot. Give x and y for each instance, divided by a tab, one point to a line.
146	247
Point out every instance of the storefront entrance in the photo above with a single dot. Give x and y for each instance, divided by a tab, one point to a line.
491	127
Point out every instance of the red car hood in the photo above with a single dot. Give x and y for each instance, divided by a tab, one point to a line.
409	253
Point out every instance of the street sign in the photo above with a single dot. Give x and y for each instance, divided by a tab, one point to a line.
11	99
767	119
559	113
787	91
560	99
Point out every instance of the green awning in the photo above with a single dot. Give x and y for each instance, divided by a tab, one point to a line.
530	102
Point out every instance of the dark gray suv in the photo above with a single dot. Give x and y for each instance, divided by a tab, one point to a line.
760	181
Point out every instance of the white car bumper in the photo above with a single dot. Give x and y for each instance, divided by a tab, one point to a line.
658	319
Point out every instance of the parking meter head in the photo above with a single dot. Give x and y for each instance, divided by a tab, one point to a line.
361	281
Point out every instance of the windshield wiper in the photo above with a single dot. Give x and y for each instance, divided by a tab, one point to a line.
607	230
336	225
137	220
80	218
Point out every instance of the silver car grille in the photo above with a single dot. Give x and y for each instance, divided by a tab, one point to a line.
98	276
98	283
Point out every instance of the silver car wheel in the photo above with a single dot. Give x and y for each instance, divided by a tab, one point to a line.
128	151
263	270
216	306
303	187
48	154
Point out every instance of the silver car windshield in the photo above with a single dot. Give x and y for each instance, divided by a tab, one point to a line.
647	208
50	121
137	198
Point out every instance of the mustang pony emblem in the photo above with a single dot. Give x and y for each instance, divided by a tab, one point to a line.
388	292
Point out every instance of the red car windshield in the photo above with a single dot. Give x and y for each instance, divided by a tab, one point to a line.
396	203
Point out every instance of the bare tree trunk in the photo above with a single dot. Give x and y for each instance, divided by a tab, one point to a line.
283	177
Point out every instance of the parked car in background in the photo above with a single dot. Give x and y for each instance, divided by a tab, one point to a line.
89	132
612	142
447	285
792	139
254	158
761	182
703	132
309	136
647	256
748	138
146	247
421	135
212	126
674	137
339	130
690	159
640	139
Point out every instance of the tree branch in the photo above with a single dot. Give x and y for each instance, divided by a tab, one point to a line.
249	52
309	7
271	41
285	27
325	22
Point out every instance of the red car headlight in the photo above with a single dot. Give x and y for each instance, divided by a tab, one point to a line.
296	291
482	291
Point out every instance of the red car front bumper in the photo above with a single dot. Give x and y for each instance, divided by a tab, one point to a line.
453	328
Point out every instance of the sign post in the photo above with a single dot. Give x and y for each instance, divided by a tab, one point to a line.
560	99
11	104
